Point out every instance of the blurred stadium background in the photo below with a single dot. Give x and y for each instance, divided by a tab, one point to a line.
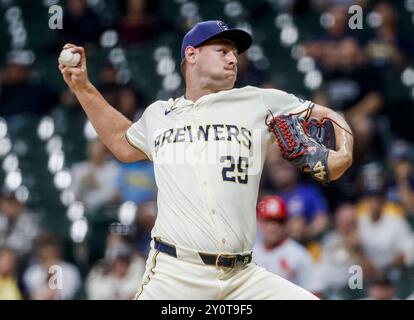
65	201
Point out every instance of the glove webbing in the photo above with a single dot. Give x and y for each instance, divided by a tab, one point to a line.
292	144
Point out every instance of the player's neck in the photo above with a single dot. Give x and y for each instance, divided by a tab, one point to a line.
197	93
198	86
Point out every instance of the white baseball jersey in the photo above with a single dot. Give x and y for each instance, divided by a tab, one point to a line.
208	157
289	260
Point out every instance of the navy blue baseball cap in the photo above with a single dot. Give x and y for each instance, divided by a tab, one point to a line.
213	29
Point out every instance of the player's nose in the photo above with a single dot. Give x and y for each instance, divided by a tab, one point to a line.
232	58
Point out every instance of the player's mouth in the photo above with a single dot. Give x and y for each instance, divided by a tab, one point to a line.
232	70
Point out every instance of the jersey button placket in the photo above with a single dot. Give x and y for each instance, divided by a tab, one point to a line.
203	169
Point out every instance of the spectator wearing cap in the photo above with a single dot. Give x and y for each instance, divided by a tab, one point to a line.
385	235
18	226
401	163
278	253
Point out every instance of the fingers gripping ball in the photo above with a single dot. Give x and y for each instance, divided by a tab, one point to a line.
69	58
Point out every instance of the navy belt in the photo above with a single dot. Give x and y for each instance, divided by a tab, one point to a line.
218	260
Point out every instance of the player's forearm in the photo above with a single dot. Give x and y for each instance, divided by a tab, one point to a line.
110	124
338	163
341	159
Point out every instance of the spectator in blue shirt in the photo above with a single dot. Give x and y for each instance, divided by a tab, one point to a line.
307	207
136	182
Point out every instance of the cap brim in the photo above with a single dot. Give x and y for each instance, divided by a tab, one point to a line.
242	40
273	219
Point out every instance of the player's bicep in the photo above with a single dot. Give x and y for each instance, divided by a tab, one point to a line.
279	102
131	152
135	142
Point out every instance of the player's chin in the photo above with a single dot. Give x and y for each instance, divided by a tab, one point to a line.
230	80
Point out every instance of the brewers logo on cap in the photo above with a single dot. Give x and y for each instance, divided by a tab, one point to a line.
222	25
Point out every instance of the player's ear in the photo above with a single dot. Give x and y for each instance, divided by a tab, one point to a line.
190	54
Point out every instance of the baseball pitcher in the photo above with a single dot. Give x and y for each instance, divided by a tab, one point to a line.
208	148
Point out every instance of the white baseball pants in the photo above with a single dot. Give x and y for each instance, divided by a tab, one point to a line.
188	278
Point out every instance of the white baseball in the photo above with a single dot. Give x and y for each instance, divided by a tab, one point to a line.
69	58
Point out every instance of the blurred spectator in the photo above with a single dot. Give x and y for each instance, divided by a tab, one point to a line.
248	74
324	47
50	277
93	181
128	103
381	288
9	289
125	98
308	212
385	235
145	220
322	5
18	226
68	100
19	94
136	181
352	87
108	83
283	5
289	6
401	163
278	253
81	25
118	275
139	22
341	249
387	47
